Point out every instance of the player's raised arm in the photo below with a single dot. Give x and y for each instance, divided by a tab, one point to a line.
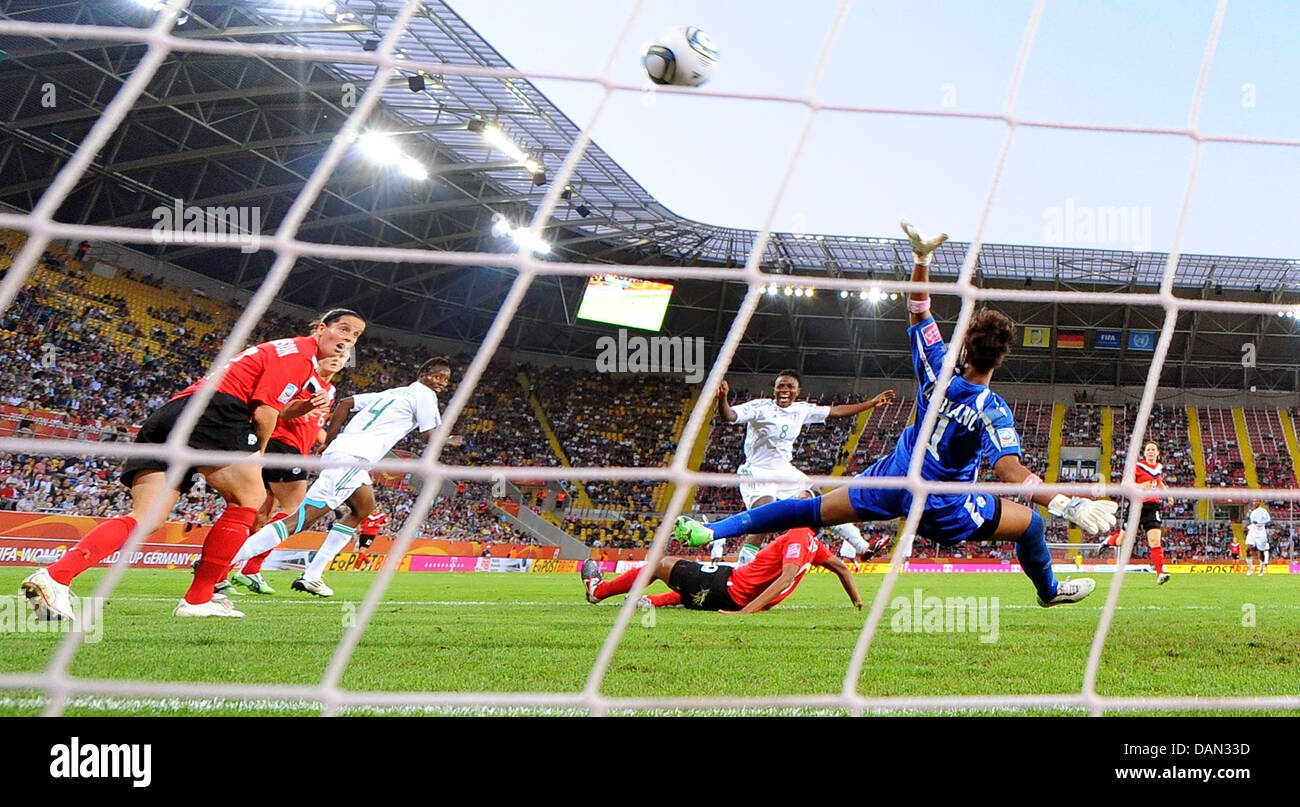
846	579
848	410
918	302
724	409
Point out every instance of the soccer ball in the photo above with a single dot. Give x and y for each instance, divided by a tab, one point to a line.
682	56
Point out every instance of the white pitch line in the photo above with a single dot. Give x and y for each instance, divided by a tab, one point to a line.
1231	607
179	705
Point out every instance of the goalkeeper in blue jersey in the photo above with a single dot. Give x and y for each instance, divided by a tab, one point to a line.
974	424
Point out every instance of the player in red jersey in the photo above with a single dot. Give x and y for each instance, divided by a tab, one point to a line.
256	389
1149	474
367	534
286	487
757	586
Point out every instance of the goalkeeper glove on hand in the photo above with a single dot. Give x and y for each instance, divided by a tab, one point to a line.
921	245
1092	515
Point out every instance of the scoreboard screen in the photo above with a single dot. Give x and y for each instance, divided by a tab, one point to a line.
625	301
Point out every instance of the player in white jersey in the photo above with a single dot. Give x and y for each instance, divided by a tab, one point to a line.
382	420
771	427
1257	538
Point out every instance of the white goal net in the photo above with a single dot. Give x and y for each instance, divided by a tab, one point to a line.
161	39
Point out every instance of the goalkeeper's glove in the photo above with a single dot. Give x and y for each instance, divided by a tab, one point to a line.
921	245
1093	515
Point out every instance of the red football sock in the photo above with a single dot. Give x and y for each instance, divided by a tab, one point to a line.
254	564
1112	540
619	585
662	600
1158	558
225	537
98	544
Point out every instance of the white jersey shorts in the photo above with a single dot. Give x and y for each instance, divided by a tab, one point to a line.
335	485
795	486
1258	542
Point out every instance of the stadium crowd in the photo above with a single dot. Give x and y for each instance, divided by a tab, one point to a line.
607	420
91	363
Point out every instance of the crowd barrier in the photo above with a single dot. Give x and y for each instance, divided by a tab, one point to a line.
33	539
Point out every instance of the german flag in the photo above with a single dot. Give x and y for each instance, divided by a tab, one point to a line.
1069	340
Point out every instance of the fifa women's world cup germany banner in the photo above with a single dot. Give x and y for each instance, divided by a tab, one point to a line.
39	539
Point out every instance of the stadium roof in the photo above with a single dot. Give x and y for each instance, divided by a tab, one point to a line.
220	130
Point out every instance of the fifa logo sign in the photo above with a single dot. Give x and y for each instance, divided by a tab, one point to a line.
681	355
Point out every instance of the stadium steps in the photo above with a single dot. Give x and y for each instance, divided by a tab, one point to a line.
1053	471
1289	436
851	443
1274	466
1243	445
1198	460
584	498
664	492
1107	443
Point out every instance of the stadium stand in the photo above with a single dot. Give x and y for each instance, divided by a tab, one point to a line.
88	356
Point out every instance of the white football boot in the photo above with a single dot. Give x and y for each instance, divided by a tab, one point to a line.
51	599
316	587
1070	591
218	606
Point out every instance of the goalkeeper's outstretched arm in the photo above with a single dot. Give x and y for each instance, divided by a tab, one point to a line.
1093	515
918	302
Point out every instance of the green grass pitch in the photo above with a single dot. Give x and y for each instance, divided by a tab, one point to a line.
536	633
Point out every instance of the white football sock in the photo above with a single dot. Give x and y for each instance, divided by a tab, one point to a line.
717	548
851	534
747	553
269	537
339	536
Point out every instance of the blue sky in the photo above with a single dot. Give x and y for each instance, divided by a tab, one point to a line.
721	161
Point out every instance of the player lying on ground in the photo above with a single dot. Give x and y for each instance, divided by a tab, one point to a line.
771	427
383	419
974	422
757	586
286	487
258	388
1257	538
1149	474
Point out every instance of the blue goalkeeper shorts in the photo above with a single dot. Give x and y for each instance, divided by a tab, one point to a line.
948	517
